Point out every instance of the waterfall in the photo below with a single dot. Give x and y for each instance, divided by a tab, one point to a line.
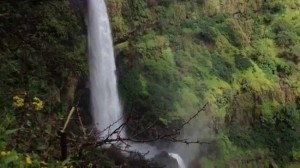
105	103
178	159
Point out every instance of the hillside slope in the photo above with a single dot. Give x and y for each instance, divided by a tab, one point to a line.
240	56
173	56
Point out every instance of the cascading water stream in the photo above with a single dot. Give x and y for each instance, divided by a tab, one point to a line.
178	159
105	103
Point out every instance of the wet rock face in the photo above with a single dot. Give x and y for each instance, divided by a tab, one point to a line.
163	159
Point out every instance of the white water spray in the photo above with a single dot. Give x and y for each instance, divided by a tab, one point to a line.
106	108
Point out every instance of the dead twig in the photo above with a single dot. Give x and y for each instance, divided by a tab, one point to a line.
114	136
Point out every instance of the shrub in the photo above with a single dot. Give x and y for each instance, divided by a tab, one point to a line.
240	137
278	134
208	34
166	3
295	51
201	2
298	102
286	38
284	69
233	35
241	62
282	25
222	68
264	54
274	7
191	24
137	11
219	18
292	54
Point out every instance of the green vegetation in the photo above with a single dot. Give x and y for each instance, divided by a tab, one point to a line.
278	133
240	57
42	51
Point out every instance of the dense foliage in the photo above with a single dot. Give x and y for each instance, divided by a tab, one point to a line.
242	57
42	52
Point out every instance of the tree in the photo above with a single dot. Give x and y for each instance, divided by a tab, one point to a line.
123	144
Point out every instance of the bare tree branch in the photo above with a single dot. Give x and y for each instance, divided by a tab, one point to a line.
97	138
107	128
114	136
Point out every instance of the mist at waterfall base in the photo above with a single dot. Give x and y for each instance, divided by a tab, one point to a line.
105	102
